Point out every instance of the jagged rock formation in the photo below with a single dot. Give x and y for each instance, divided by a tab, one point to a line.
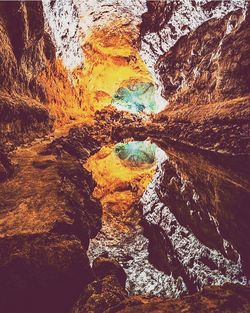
194	213
165	23
32	80
25	51
204	79
208	70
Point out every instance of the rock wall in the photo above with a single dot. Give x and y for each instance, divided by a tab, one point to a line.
210	64
165	22
22	53
47	217
203	73
35	87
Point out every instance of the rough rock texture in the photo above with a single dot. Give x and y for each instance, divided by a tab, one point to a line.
22	119
221	126
203	66
103	266
100	295
22	55
34	86
47	217
106	291
25	49
165	22
204	74
41	273
226	299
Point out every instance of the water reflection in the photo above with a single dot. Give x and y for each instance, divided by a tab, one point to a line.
191	227
136	153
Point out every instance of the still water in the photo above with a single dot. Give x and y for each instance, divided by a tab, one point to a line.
171	217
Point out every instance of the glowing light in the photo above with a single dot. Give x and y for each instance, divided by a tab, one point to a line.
122	173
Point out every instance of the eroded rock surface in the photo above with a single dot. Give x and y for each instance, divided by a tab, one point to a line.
194	214
47	216
228	298
202	67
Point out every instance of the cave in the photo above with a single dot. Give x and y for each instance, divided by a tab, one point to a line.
124	156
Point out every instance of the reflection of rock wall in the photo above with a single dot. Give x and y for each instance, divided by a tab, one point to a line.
196	218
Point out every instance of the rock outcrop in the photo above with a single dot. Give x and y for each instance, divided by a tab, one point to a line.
203	66
35	87
195	224
106	291
228	298
47	217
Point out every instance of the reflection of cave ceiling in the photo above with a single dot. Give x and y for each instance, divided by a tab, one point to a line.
136	152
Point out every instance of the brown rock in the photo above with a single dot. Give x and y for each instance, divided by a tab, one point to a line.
41	273
225	299
100	295
104	266
190	69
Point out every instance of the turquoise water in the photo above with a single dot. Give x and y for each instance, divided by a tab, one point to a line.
137	152
136	98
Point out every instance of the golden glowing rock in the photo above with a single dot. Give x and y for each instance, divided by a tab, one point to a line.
65	96
112	60
119	186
